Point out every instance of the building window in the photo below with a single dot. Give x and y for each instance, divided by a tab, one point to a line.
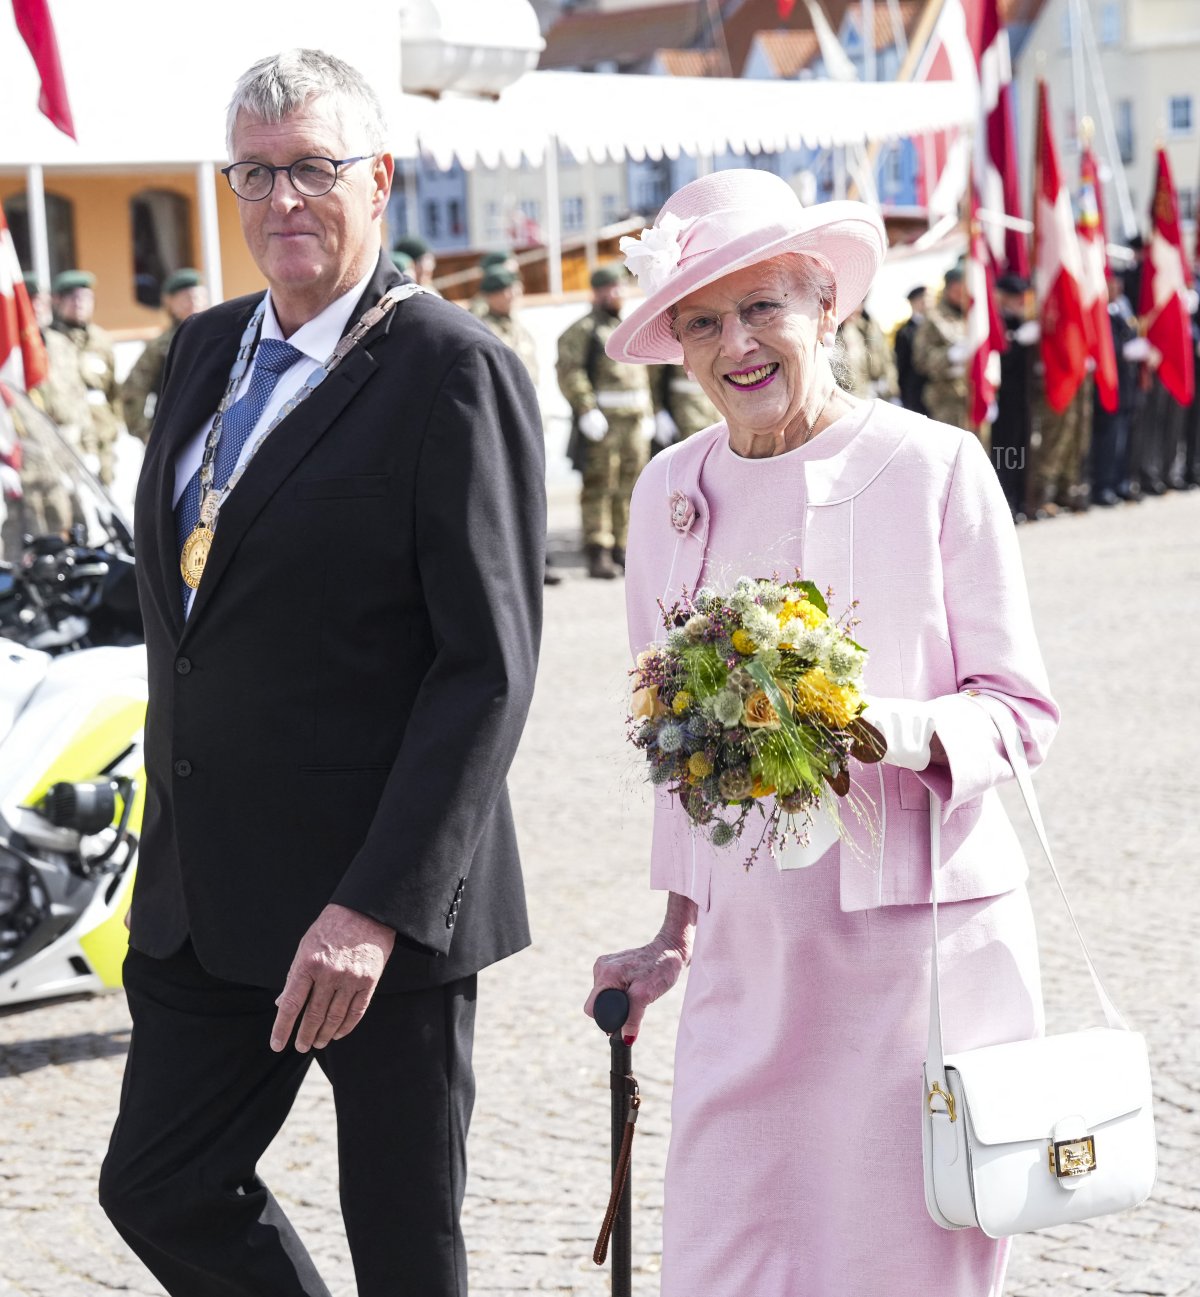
1123	112
60	231
455	217
491	220
1110	23
1187	204
892	177
572	213
610	208
162	240
1179	115
433	219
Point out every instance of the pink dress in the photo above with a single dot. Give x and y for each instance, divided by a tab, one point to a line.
795	1160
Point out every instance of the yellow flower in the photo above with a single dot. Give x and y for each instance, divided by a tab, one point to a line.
742	642
802	610
759	714
759	789
817	695
644	704
681	702
699	766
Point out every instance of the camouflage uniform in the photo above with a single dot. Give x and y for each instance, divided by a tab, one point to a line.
514	334
140	390
683	399
97	367
622	394
872	368
1060	465
946	393
63	396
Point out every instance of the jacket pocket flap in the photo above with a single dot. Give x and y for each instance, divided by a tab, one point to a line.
342	488
1019	1092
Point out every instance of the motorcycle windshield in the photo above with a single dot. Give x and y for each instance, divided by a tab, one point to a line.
46	488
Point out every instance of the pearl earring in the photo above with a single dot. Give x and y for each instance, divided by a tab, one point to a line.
828	339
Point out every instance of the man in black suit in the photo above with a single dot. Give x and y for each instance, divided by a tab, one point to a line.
342	620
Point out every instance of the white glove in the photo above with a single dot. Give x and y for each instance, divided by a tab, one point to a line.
1028	333
593	425
907	727
91	462
957	353
10	482
1136	349
665	429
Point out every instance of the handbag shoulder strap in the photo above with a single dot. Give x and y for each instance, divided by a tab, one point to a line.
1015	751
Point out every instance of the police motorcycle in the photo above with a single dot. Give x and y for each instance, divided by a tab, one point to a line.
72	715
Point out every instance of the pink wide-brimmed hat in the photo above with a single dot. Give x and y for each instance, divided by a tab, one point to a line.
724	222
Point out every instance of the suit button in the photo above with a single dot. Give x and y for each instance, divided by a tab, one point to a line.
183	769
182	666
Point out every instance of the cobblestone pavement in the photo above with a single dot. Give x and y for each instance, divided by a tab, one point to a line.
1117	596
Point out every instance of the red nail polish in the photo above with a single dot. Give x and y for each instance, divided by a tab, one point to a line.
628	1040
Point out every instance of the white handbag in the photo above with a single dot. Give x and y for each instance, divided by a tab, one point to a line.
1039	1132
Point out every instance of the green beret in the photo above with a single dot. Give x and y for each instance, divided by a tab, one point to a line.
602	276
181	279
67	281
497	280
412	247
30	280
954	275
490	259
402	261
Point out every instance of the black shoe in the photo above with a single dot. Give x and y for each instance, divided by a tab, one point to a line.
1157	487
600	564
551	578
1179	484
1106	499
618	556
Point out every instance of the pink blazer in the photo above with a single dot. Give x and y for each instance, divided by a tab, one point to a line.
907	517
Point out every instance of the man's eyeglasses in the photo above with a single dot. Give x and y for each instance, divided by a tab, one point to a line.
755	311
311	177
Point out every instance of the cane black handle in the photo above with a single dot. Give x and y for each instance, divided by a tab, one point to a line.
611	1010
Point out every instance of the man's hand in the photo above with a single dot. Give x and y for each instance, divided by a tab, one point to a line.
334	974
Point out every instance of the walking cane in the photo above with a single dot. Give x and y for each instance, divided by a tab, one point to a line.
611	1010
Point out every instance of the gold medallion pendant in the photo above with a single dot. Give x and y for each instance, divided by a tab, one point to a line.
195	555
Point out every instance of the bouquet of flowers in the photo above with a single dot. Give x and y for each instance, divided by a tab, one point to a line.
754	694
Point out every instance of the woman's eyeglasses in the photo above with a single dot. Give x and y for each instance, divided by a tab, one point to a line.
311	177
755	312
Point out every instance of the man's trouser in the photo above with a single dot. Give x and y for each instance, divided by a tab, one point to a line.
204	1095
1062	455
610	469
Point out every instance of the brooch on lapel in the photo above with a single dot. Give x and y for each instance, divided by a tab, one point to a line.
683	512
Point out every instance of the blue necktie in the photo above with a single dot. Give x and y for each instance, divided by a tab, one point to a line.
272	358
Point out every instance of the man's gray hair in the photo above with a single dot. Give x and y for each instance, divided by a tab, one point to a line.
279	86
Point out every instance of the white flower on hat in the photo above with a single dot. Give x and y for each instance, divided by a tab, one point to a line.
656	252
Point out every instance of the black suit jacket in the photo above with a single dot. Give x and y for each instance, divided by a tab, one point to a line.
336	718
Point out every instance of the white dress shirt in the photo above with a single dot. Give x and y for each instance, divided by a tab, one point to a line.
316	340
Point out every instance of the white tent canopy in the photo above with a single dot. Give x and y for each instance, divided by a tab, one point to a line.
595	116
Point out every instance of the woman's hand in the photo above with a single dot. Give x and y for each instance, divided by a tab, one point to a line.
647	972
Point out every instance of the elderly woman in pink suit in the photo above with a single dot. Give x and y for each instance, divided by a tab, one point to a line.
795	1160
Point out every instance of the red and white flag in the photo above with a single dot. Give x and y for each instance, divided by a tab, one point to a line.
997	181
1058	271
22	352
985	329
969	43
1094	285
1166	280
37	31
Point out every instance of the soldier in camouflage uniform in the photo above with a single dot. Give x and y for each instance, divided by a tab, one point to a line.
940	354
74	302
869	358
183	295
62	394
611	405
494	261
680	406
498	293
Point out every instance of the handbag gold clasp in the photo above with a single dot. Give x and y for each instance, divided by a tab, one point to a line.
935	1092
1072	1157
